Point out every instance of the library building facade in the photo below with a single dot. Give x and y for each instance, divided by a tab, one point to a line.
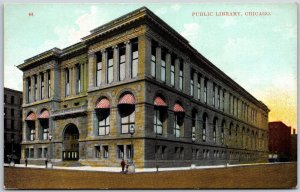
136	89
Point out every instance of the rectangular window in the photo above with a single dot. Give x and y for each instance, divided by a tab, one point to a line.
127	121
42	86
28	90
135	59
163	66
67	82
45	133
205	91
213	95
177	152
40	152
45	154
12	112
35	88
158	126
12	124
103	126
199	87
31	153
181	153
97	152
177	125
164	152
173	72
12	100
5	98
5	111
153	60
105	151
78	80
218	98
98	68
27	153
49	84
192	83
181	76
110	66
129	152
32	134
223	100
120	151
122	62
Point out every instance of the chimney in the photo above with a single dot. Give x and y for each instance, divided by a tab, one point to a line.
294	131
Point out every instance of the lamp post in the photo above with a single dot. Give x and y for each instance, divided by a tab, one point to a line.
12	162
50	152
131	131
193	149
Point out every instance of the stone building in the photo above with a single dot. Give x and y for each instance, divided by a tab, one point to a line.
137	72
279	141
12	124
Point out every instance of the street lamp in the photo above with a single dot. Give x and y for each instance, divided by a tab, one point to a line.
50	152
131	131
12	162
193	149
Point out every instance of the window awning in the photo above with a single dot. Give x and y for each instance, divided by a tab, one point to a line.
31	117
127	99
158	101
103	104
178	108
44	115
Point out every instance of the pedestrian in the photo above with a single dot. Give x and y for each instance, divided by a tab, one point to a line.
26	162
46	162
123	165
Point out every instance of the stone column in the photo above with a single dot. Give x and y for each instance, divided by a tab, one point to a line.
202	89
56	82
144	66
209	92
25	90
216	96
168	68
85	76
128	60
39	86
177	65
74	79
116	63
158	63
221	100
186	76
195	79
81	77
45	84
91	70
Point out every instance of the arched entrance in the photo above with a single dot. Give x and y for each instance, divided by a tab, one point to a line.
70	143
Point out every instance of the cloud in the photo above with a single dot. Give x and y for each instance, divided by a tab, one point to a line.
191	32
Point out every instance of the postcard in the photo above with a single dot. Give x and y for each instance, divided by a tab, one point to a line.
150	96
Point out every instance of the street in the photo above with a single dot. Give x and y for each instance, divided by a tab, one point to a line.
256	176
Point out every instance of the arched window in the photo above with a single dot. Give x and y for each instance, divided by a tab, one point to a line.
160	114
222	131
103	112
126	108
178	118
215	123
194	122
44	122
204	127
30	123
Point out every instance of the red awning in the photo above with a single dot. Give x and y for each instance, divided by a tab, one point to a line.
44	115
127	99
178	108
103	104
31	117
158	101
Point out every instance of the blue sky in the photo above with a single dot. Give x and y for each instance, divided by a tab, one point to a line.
258	52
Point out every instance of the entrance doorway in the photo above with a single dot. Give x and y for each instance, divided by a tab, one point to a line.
70	143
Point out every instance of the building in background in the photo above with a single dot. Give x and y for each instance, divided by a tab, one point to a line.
12	124
279	141
136	89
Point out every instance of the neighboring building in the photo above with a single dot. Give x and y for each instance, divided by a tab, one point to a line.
137	72
279	141
12	124
294	146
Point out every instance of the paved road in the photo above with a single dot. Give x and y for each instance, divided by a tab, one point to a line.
256	176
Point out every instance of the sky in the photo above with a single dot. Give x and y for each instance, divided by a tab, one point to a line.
258	52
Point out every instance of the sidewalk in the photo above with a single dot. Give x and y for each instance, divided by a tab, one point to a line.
139	170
